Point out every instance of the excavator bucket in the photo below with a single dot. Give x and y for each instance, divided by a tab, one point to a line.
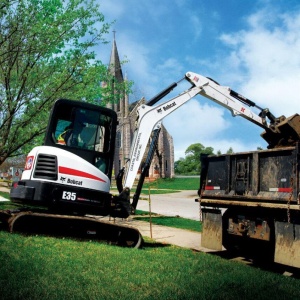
287	244
284	133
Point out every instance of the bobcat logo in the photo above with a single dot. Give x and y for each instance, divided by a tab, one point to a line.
62	179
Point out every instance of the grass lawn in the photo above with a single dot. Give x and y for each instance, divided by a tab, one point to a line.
176	222
40	267
179	184
4	194
170	185
36	267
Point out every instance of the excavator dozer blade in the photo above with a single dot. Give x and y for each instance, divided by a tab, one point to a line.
83	228
287	244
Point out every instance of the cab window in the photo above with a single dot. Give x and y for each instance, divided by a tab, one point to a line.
83	128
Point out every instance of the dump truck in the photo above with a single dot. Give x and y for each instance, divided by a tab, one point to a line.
251	203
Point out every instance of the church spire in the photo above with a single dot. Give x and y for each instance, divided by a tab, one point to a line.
114	63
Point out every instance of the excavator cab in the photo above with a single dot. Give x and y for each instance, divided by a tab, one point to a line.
72	171
83	129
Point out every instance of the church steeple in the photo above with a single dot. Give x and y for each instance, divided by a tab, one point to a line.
127	120
114	63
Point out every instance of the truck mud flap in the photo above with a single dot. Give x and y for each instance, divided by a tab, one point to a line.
287	244
211	237
83	228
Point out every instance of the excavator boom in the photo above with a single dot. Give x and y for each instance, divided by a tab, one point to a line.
149	117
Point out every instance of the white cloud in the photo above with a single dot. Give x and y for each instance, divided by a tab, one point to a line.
197	24
266	57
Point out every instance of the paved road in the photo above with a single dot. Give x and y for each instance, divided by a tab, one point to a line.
175	204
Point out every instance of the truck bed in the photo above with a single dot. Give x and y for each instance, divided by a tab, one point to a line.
256	178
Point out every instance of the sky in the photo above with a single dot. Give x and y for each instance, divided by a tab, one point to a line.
251	46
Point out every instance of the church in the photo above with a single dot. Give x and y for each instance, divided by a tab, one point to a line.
162	165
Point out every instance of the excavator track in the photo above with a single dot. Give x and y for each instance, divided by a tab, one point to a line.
78	227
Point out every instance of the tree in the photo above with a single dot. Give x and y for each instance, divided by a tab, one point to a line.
18	162
230	151
190	165
46	53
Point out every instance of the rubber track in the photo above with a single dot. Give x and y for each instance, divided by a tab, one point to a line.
79	227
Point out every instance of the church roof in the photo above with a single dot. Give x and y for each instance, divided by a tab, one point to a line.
114	63
135	104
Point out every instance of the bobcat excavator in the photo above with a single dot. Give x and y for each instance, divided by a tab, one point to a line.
65	187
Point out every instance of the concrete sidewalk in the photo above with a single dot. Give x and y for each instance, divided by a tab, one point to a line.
167	235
